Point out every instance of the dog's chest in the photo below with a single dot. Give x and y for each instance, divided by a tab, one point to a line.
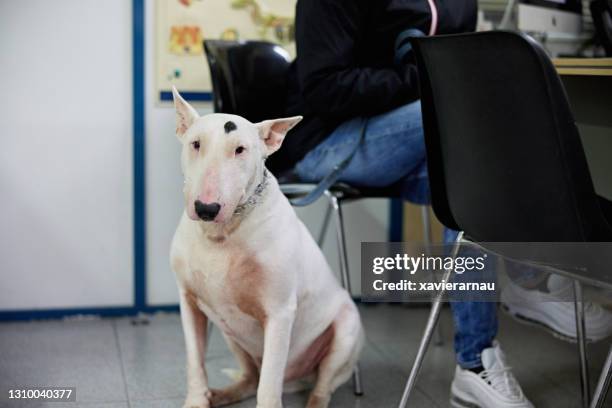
228	284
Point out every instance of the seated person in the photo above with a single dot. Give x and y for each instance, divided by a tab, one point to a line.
345	75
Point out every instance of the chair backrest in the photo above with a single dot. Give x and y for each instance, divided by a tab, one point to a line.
505	158
249	78
219	74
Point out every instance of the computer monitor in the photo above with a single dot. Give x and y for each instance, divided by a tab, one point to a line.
550	16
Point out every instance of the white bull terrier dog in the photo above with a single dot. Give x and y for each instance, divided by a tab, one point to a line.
244	260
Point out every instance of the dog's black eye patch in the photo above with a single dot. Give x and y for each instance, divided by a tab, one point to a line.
229	126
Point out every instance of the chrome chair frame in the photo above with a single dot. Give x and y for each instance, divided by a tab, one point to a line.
432	322
606	375
603	385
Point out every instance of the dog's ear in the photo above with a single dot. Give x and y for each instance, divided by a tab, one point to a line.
273	132
185	114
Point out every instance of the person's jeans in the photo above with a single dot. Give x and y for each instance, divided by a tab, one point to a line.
393	150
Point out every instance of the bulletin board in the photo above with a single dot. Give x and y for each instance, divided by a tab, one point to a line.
182	25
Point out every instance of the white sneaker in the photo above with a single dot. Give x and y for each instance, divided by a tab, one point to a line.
494	387
555	310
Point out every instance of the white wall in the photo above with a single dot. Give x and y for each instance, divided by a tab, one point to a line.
65	161
164	179
366	220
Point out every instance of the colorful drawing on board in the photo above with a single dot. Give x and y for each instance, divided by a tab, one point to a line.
283	27
187	3
182	25
230	34
185	40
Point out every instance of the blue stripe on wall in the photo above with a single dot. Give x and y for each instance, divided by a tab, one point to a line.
188	96
396	220
94	311
138	78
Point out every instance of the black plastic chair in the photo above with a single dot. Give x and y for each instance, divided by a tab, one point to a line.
505	159
249	79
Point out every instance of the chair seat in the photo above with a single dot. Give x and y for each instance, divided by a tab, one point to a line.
293	187
341	190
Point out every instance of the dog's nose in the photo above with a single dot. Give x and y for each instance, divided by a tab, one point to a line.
207	212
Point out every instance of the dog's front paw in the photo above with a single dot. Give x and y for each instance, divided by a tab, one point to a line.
193	404
270	404
196	401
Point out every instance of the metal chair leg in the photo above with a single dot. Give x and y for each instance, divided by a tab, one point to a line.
429	329
209	329
427	238
324	226
603	385
344	271
344	274
580	329
357	386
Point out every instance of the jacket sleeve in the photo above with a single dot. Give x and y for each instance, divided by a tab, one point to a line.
331	81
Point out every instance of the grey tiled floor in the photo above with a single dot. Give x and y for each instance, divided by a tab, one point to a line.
115	364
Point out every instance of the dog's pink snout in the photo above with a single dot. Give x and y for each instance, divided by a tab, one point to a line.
210	188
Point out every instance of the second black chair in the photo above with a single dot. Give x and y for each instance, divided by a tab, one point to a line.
505	159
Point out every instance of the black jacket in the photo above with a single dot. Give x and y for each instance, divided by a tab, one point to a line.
345	62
